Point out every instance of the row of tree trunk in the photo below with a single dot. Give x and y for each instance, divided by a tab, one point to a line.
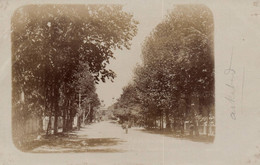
189	114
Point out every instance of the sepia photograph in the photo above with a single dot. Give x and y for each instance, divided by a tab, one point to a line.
60	53
130	83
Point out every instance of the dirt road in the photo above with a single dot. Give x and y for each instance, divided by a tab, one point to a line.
107	143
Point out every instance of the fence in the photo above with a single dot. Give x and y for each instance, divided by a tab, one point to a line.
202	128
32	125
46	122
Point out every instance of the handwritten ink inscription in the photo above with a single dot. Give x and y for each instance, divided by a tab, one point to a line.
230	97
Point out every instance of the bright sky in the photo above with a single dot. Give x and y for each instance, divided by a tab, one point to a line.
148	16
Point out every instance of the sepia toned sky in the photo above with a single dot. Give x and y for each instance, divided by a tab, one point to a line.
148	15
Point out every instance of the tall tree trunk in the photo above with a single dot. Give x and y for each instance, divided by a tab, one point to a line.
64	116
50	96
49	125
154	122
71	119
56	108
174	125
160	126
40	124
78	122
207	131
196	126
167	119
64	122
70	123
188	112
91	115
188	105
196	122
161	120
55	123
182	125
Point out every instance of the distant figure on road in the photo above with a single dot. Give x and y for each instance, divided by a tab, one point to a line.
125	126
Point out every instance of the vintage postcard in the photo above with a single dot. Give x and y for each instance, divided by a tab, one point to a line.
130	82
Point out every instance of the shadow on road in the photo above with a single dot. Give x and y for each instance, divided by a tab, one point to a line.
201	138
113	122
72	143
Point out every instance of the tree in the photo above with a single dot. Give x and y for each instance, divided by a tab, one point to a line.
178	67
127	107
50	42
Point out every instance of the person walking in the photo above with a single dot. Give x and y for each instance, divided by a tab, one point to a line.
126	128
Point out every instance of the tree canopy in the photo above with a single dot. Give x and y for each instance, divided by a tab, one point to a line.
178	67
59	53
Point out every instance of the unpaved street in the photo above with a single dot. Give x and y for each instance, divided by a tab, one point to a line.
107	143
